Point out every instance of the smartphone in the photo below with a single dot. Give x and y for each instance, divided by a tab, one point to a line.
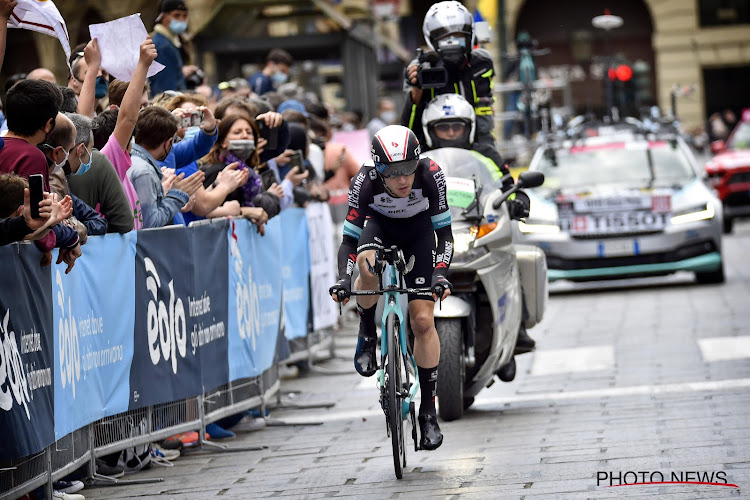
269	134
192	119
296	160
36	188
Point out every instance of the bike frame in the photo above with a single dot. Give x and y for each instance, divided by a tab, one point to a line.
393	305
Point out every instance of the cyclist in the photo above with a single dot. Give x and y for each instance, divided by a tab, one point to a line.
448	29
400	200
448	121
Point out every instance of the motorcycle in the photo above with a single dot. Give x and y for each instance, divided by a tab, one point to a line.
499	287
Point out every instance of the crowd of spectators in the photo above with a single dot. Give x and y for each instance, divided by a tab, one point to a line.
118	156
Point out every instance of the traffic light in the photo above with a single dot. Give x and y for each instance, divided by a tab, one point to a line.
642	84
620	73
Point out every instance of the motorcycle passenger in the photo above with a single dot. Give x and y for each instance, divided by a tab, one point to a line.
448	121
401	201
448	30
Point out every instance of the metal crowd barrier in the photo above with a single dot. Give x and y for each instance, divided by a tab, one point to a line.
134	427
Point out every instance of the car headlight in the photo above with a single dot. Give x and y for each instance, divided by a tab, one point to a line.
702	212
540	227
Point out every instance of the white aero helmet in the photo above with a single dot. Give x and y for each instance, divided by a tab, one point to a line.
444	110
445	18
395	151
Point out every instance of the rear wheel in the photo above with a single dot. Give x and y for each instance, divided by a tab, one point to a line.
394	370
450	386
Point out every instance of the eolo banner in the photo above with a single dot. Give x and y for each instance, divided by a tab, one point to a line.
144	318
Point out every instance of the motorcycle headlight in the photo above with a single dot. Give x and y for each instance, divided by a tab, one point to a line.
464	246
694	214
462	242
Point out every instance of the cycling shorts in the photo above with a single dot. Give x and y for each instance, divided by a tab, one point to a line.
414	236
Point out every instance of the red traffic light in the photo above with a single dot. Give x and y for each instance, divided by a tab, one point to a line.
622	72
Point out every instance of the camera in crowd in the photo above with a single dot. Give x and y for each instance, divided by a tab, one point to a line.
192	118
432	73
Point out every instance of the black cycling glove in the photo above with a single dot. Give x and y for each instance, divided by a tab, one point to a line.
439	284
518	208
343	288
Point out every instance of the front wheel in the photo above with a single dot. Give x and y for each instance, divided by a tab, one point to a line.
394	370
450	386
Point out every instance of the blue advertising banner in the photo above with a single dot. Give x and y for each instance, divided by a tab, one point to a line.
93	322
254	297
295	269
26	358
164	366
207	311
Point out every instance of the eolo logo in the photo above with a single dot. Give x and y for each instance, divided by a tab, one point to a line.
166	325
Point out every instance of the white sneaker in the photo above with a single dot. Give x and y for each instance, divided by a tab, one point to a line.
59	495
163	457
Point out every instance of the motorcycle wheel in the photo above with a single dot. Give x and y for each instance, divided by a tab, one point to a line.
450	386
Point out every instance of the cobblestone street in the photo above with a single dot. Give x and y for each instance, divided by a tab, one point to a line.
650	376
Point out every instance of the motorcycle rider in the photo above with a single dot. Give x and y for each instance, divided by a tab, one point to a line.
403	201
448	121
448	30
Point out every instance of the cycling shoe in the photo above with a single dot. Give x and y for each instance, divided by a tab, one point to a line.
432	438
365	360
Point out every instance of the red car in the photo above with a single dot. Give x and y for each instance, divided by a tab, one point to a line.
729	172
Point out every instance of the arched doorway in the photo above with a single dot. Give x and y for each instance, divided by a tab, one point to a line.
578	51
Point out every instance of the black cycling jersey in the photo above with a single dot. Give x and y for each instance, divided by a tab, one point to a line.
368	197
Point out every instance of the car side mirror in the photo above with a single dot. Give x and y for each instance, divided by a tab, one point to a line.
718	147
530	179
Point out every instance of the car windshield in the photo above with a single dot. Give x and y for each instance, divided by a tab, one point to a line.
623	164
741	137
461	164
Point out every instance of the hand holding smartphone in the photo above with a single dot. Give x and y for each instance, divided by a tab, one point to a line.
269	134
36	191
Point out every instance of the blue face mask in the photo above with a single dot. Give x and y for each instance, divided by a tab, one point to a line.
278	78
191	132
84	166
101	86
177	27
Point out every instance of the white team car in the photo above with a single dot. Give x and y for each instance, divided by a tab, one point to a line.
624	204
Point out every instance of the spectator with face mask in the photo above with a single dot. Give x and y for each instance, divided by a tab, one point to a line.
273	74
386	116
72	137
31	108
88	80
167	35
161	199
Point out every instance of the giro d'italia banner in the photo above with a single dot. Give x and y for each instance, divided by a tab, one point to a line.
295	269
26	355
92	310
254	305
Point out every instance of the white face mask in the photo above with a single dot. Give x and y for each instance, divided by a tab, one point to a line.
58	166
388	116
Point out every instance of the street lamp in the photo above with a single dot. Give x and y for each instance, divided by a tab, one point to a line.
607	22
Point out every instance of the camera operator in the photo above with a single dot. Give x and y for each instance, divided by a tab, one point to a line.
452	67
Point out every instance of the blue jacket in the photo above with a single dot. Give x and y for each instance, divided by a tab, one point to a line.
171	77
158	209
260	83
189	150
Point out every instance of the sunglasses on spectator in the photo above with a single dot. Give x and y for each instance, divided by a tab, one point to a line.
448	126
